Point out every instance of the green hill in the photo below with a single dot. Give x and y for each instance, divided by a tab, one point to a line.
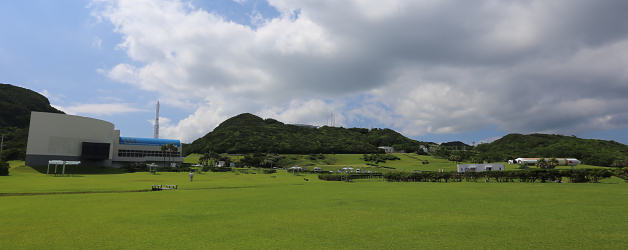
16	104
247	133
589	151
455	144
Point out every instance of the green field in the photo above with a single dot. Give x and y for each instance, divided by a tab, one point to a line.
227	210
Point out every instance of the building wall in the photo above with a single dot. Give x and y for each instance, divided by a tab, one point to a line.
479	167
54	136
120	158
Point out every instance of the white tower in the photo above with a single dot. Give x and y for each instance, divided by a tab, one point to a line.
156	135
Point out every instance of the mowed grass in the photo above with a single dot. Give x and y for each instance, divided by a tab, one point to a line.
225	210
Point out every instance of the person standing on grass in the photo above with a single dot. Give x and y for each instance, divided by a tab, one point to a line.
191	176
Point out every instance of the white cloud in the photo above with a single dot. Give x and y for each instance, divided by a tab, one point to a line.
419	66
45	93
99	109
204	119
312	112
163	121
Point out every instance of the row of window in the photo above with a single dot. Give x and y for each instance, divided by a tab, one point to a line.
143	153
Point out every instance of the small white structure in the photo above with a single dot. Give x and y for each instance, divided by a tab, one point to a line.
295	169
387	149
61	163
463	168
347	169
220	164
317	169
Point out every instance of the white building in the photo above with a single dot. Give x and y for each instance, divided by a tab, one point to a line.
462	168
55	136
387	149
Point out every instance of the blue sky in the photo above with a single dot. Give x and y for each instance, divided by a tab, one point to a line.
439	72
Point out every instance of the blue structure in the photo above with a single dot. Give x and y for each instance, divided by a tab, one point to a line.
148	141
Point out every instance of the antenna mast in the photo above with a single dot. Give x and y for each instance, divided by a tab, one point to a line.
156	134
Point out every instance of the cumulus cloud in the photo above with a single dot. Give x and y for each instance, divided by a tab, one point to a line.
313	112
420	66
99	109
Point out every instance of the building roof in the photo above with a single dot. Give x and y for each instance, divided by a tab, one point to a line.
148	141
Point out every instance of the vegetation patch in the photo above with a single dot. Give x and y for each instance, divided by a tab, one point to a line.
4	168
529	176
226	211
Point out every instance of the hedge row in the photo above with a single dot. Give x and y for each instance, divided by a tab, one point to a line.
348	177
542	175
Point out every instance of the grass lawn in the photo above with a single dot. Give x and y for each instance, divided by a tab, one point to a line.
227	210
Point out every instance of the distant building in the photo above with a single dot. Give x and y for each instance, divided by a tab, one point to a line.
463	168
387	149
53	136
295	169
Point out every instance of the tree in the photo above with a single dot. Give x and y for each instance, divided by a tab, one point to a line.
169	150
542	163
164	149
455	157
204	159
552	163
4	168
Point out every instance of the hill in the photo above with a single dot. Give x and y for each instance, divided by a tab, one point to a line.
16	104
247	133
590	151
455	144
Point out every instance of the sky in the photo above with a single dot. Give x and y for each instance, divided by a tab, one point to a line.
434	70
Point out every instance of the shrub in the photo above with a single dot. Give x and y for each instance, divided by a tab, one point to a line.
4	168
219	169
330	177
379	158
269	171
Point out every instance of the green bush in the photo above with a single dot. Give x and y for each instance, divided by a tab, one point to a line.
347	177
534	175
4	168
220	169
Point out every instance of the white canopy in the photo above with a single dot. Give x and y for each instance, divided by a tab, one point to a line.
60	162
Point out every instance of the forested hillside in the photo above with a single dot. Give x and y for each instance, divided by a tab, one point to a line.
590	151
16	104
247	133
